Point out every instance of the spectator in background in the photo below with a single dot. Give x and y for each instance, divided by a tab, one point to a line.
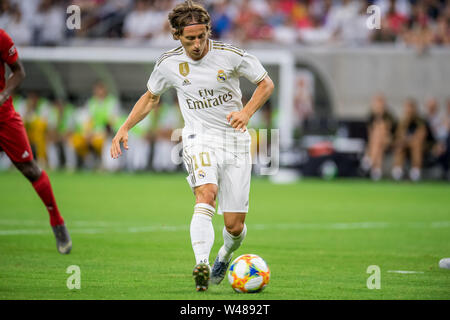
438	125
14	23
418	33
340	20
49	23
143	22
409	139
418	24
361	35
27	8
222	22
316	34
89	14
402	7
164	38
395	19
5	7
61	126
321	10
433	118
101	111
442	31
249	25
110	17
287	32
301	15
379	137
37	110
276	16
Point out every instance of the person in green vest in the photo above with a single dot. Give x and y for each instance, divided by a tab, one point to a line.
61	126
35	118
101	115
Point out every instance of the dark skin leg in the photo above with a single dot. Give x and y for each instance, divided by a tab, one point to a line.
29	169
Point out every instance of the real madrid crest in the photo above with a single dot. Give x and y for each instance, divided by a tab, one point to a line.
184	69
221	76
201	174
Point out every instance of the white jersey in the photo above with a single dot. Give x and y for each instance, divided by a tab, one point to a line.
207	89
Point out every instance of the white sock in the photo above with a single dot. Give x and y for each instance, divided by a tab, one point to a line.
375	174
397	173
366	163
202	232
414	174
230	244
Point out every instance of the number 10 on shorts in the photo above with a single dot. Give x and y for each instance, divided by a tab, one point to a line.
205	160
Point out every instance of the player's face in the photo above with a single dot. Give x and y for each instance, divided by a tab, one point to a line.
194	40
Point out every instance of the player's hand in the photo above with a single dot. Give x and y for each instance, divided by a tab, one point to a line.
121	136
238	120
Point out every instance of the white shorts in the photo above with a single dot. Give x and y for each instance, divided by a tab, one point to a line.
229	170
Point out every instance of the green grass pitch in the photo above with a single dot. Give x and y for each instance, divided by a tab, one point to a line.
131	238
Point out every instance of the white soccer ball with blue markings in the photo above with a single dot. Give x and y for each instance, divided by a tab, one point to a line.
249	273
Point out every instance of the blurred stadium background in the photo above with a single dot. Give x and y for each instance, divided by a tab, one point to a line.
332	74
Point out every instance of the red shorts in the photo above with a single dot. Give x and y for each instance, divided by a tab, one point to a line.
14	139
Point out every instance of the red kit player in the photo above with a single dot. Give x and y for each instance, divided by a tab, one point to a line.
14	141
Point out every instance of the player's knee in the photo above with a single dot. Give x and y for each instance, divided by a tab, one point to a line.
234	228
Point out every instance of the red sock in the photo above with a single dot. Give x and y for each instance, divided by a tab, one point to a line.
45	192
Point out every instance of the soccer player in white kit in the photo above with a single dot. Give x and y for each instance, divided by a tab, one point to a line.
216	143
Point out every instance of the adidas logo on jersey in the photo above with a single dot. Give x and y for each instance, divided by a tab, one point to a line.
186	82
12	51
25	154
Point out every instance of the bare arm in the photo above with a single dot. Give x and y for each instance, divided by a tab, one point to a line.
16	77
141	109
263	91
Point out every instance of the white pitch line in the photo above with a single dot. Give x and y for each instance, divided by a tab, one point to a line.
44	223
404	272
98	227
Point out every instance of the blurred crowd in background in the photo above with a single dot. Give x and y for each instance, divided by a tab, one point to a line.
65	136
423	139
417	23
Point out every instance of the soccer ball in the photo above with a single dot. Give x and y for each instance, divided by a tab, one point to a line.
248	273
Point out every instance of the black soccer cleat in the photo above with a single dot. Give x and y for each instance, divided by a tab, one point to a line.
201	275
219	270
63	241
